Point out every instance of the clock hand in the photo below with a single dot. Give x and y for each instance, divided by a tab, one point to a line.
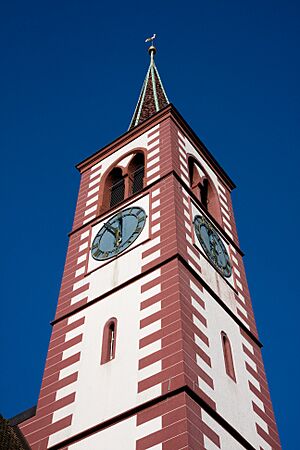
110	228
118	237
118	232
120	227
121	224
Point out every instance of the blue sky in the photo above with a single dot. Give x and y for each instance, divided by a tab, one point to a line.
70	78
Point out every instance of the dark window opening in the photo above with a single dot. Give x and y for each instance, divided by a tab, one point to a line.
202	187
191	171
117	192
138	180
204	193
136	172
109	341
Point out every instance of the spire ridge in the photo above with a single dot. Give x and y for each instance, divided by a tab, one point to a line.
153	96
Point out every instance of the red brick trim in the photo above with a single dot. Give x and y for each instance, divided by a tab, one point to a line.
145	407
159	264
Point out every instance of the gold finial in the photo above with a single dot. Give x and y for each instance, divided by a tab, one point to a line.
151	49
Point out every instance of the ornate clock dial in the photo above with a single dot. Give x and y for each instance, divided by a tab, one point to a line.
212	245
118	233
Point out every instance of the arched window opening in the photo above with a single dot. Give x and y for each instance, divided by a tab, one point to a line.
113	189
136	172
117	186
193	174
203	189
198	183
122	182
229	367
109	341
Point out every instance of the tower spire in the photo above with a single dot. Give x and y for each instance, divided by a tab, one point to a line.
153	96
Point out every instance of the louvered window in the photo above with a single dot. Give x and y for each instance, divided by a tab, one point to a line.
138	180
117	191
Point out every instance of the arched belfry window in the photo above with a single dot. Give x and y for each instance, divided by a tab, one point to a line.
203	189
136	172
113	190
199	183
109	341
228	359
122	181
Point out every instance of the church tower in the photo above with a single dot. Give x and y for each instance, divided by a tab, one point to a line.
154	343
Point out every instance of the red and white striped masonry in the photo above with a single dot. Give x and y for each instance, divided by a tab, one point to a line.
153	155
184	170
177	423
88	197
262	406
169	309
58	389
177	352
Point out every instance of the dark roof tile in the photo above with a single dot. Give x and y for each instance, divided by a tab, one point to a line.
152	97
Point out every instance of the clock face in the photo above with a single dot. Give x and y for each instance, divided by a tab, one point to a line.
212	245
118	233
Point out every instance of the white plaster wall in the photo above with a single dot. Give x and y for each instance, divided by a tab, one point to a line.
119	436
105	390
227	442
234	400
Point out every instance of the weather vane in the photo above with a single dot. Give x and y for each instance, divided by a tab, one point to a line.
151	39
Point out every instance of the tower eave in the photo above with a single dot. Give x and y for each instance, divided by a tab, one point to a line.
168	111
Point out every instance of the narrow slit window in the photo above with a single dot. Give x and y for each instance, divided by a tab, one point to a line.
109	341
228	359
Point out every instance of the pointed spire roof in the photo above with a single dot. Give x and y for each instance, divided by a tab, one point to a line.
153	96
